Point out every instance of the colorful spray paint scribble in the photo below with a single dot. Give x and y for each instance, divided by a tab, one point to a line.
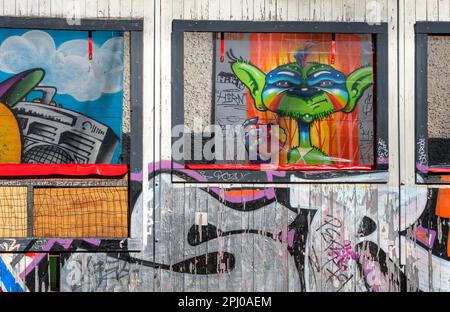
58	105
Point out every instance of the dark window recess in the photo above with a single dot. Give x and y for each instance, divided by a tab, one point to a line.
54	263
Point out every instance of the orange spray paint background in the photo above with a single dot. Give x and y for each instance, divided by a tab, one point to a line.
336	135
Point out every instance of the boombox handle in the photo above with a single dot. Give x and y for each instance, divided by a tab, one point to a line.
48	93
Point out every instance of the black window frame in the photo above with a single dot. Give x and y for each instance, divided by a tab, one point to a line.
379	31
422	31
47	244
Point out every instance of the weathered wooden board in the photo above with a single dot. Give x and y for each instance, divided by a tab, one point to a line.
13	212
94	212
259	238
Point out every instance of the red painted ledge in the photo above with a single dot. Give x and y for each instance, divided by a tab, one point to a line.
439	170
284	167
33	170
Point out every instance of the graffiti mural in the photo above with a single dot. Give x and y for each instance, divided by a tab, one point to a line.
300	238
309	85
61	97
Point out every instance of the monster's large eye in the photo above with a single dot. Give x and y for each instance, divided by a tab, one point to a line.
283	84
326	83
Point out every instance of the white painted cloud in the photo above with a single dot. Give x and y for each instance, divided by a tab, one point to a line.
67	67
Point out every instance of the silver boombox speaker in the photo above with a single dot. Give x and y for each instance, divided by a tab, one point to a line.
54	135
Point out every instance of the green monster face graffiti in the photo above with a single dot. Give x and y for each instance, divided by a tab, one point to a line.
305	91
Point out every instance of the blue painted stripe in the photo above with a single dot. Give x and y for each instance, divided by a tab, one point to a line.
8	280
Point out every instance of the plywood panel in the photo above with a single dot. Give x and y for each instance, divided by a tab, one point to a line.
80	212
13	212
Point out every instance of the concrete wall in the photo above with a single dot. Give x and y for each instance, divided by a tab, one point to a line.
198	75
438	86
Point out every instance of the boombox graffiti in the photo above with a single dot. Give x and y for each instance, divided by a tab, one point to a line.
50	133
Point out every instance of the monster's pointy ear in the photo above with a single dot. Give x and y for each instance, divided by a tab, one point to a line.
253	78
357	83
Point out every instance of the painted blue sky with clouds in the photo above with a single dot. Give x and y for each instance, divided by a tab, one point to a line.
93	88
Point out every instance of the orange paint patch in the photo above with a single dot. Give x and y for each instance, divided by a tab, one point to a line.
422	236
241	193
448	245
338	134
10	141
443	201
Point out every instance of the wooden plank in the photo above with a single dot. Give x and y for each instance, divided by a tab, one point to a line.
80	212
102	8
13	212
80	9
315	246
337	10
215	281
33	8
21	7
421	9
163	105
326	11
73	10
247	9
444	10
114	8
432	10
189	9
384	8
67	10
270	7
409	94
360	11
282	9
9	8
293	10
91	9
393	50
409	254
138	8
225	10
56	8
44	8
214	9
315	10
166	234
401	84
303	10
349	10
236	11
259	13
203	8
201	206
126	7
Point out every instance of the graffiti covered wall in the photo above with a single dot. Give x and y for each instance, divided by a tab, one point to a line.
298	238
256	237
